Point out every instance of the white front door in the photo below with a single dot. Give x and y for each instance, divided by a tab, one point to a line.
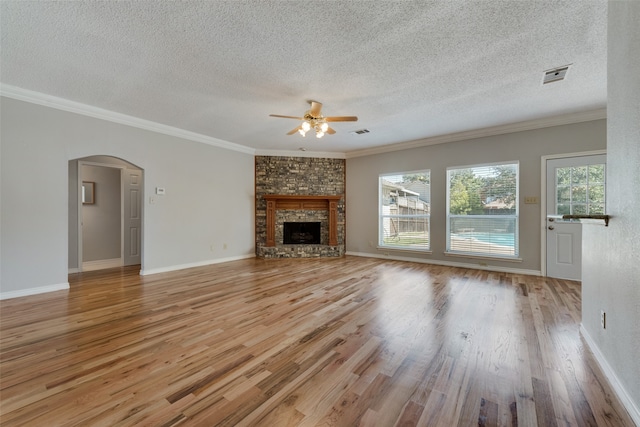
575	185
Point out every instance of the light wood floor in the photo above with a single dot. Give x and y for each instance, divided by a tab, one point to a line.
332	342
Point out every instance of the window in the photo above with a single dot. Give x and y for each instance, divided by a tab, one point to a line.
404	210
482	210
580	190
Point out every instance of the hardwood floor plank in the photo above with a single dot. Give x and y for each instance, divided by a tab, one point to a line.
302	342
544	407
410	415
488	413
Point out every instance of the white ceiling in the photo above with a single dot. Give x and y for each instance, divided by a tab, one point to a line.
409	70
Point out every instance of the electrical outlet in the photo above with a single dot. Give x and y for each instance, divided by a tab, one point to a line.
603	319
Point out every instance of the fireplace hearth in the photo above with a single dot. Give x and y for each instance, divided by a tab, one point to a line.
301	233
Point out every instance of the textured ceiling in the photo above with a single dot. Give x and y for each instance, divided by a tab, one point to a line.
408	69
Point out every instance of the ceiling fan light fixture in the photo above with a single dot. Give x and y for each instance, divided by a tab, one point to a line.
313	119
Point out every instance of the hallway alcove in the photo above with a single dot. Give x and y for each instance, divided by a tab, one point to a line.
105	213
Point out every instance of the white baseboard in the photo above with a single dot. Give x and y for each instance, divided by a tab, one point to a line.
147	272
34	291
449	263
101	264
615	383
73	270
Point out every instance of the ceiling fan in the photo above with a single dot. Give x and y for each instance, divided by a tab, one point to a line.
313	119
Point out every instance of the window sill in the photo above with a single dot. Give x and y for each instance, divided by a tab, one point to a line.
396	249
469	255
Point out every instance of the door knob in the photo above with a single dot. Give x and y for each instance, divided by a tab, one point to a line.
551	227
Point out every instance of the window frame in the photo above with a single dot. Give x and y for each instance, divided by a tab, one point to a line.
381	216
516	215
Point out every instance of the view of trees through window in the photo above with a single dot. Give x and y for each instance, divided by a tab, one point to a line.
404	210
483	210
486	190
580	190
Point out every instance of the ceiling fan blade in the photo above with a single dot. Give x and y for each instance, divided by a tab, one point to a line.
292	131
315	108
330	131
285	117
342	119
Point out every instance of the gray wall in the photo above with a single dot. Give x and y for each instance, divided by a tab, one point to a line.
101	221
611	267
526	147
208	201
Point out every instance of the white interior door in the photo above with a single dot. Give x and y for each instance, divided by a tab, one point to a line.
575	185
132	216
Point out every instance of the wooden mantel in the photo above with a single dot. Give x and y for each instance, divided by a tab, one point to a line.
303	202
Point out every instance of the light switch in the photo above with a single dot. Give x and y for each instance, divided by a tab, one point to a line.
160	191
531	200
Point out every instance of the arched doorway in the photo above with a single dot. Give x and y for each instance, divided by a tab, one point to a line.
105	213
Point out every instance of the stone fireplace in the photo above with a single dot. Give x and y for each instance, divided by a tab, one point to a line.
299	190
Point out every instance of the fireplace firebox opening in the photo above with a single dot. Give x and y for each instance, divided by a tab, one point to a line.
301	233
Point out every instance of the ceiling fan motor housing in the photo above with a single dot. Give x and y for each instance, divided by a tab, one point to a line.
308	116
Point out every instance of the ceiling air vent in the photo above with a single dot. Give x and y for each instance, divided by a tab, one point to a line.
555	75
359	132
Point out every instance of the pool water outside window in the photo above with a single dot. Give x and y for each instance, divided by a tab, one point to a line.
482	210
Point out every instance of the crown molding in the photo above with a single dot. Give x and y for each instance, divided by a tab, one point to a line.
39	98
33	97
559	120
298	153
